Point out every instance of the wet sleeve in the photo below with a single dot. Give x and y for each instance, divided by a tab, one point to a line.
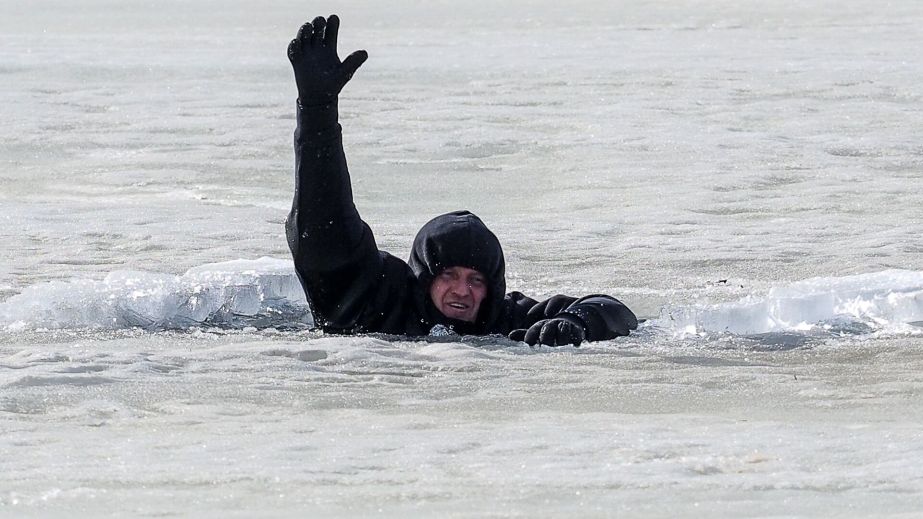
335	253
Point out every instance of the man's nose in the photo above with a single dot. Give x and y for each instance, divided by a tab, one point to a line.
461	288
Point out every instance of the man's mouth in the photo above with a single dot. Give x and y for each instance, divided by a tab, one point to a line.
457	306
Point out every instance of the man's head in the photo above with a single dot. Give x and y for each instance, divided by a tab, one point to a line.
460	264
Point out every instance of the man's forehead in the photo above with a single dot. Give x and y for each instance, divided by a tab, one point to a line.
462	270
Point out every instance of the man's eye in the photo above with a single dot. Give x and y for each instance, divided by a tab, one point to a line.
478	281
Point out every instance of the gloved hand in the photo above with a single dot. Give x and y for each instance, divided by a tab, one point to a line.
557	331
319	74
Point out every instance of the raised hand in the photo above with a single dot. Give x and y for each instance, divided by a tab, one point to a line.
556	331
319	73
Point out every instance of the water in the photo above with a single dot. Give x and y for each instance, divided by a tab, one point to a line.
745	176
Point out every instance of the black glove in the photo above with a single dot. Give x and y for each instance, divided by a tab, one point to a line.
550	307
319	74
557	331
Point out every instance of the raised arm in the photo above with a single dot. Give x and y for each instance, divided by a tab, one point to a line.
332	247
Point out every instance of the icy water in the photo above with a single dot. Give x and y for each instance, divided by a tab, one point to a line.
745	175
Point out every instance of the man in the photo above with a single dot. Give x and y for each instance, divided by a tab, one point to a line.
455	277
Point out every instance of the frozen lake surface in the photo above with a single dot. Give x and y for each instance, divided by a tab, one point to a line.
747	176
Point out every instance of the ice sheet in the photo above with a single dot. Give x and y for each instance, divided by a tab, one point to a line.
744	174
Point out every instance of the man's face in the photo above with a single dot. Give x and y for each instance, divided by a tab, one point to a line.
458	292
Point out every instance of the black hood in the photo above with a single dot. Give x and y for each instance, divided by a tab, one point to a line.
460	239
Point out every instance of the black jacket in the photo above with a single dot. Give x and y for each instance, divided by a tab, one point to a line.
352	287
